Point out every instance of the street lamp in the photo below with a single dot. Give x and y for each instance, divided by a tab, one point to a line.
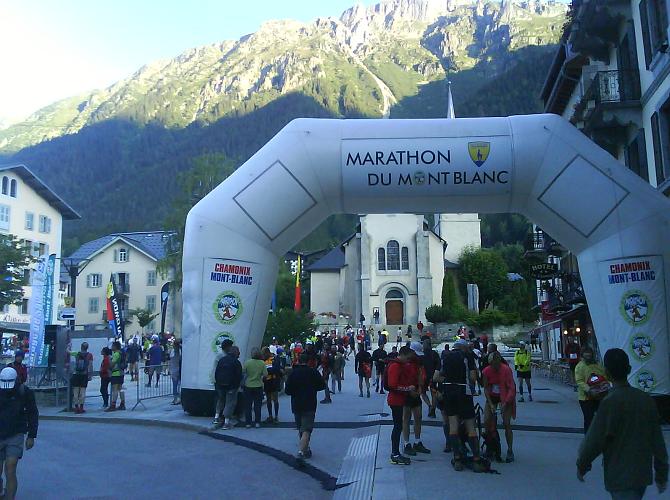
74	268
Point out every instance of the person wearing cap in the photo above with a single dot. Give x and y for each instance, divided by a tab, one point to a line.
227	380
457	375
18	417
416	376
626	430
522	365
21	369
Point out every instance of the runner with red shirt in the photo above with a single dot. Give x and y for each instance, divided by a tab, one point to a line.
500	389
398	391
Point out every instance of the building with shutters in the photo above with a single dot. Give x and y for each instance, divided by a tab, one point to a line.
34	213
130	259
394	264
610	78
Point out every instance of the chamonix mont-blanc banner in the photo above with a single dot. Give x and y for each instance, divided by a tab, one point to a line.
229	295
427	166
635	294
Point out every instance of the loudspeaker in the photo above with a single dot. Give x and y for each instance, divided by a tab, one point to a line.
50	334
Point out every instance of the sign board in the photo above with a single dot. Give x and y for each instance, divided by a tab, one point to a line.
544	270
68	313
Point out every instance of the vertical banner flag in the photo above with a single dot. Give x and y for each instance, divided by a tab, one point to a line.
297	305
36	311
229	293
165	295
635	295
47	305
114	316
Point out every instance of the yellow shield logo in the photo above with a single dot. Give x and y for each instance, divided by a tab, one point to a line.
479	152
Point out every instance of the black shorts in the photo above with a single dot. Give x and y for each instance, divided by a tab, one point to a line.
79	380
457	403
412	401
117	380
271	385
525	375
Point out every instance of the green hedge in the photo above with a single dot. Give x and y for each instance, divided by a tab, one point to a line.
490	317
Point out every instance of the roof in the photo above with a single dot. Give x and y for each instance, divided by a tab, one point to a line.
43	190
332	261
151	243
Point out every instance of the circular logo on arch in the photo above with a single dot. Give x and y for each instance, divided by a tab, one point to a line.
641	346
645	380
635	307
219	338
227	307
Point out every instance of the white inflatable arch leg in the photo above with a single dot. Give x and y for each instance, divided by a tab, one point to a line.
536	165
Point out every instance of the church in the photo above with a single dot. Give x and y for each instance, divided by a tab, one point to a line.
391	269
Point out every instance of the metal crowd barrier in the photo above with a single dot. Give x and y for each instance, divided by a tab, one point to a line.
154	381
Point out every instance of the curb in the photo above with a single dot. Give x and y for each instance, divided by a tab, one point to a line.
126	420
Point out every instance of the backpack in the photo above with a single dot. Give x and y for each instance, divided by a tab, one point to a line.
81	364
385	376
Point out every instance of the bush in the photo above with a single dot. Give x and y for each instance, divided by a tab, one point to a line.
287	325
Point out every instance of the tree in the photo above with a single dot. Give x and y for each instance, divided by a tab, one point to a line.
208	172
488	270
450	302
144	317
286	324
14	258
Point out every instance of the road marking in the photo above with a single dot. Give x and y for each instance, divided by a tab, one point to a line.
357	473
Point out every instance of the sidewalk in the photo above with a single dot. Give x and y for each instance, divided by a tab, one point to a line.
351	445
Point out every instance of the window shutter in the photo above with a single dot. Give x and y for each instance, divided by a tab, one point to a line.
116	255
99	279
128	254
642	155
644	24
658	151
88	281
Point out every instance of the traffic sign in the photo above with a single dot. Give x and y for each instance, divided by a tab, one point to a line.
68	313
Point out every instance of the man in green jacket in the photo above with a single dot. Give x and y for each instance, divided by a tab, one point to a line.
522	365
626	430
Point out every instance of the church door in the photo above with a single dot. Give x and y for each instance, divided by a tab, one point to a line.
394	312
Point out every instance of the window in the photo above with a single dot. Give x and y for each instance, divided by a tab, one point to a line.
393	256
121	255
394	294
94	280
5	185
45	224
12	188
151	303
43	249
658	148
24	306
4	217
636	156
93	305
404	259
30	221
654	24
381	259
151	278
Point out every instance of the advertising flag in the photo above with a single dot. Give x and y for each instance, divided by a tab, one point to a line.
165	295
37	320
297	305
114	316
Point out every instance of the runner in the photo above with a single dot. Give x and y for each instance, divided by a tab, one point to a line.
338	368
522	365
18	416
398	340
413	409
302	385
116	366
589	376
327	361
431	363
500	391
394	352
458	372
398	391
363	367
379	357
271	384
81	375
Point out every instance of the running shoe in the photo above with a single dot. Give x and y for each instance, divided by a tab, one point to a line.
308	453
530	398
400	460
478	466
420	448
409	450
510	457
268	420
521	400
447	448
258	425
458	465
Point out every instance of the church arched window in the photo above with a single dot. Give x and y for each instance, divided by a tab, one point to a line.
12	188
394	294
381	259
404	259
5	185
393	256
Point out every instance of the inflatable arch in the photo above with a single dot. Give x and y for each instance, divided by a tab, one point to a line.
536	165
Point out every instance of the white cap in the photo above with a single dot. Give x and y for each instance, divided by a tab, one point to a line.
417	347
7	378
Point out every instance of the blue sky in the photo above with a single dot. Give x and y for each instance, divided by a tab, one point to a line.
52	49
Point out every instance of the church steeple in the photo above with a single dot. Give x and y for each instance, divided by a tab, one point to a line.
450	116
